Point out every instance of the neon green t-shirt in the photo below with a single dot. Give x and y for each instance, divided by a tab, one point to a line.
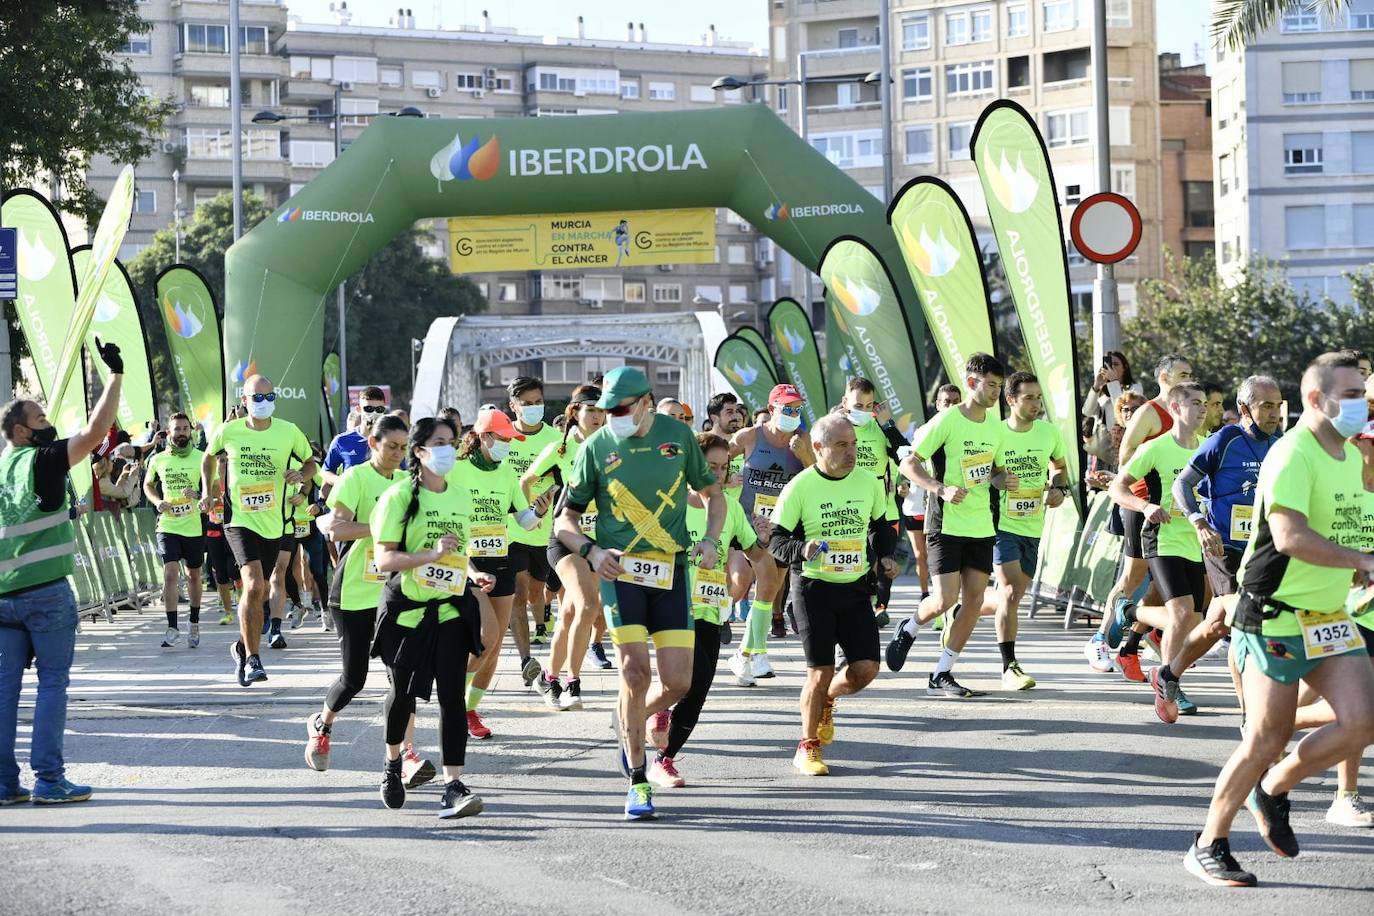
1166	458
521	456
1299	475
494	491
639	486
360	584
872	457
837	512
1027	455
439	514
177	473
549	459
736	470
257	461
961	453
710	598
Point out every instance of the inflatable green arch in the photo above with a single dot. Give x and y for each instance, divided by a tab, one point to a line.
400	170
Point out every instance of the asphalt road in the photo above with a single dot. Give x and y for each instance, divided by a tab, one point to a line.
1068	798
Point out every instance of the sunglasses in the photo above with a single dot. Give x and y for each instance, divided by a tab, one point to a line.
269	396
379	408
623	410
790	411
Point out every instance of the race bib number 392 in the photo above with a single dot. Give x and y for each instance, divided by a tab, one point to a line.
448	574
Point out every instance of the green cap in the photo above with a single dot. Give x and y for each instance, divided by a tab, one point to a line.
620	383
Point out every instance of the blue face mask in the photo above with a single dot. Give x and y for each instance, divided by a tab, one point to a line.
532	414
788	424
1353	415
498	450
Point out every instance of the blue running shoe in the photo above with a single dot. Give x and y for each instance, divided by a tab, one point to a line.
1118	625
61	792
14	795
639	803
1186	707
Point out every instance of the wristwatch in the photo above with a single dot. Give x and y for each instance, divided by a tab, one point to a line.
585	549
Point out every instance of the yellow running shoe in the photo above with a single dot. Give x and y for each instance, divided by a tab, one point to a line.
808	758
826	730
227	619
1016	679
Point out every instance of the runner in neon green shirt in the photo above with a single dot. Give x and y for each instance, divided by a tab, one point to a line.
529	548
172	485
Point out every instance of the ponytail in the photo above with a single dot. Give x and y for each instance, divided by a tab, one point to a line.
582	395
470	442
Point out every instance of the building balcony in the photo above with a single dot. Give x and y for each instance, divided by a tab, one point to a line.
834	9
198	170
858	61
251	66
253	12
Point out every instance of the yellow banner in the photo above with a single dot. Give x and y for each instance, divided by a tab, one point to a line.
578	241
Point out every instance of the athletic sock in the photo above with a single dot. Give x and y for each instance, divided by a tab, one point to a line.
475	695
1132	644
946	664
172	619
637	776
910	627
1008	650
1166	674
195	614
394	766
1129	613
756	638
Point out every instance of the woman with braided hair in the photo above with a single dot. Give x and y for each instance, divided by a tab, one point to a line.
429	621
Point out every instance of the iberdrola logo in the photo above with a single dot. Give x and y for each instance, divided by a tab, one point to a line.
243	370
333	385
847	364
792	342
1013	186
292	215
838	315
742	375
469	161
182	321
106	309
36	261
857	296
932	257
203	413
776	211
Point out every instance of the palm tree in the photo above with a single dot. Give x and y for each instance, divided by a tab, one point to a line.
1237	22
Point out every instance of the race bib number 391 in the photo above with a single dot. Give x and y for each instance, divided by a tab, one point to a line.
654	570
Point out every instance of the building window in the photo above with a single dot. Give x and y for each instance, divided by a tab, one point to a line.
426	79
968	27
1362	80
1360	22
1197	205
920	145
916	33
662	92
253	39
1018	72
1362	151
969	78
560	286
355	69
739	293
956	29
145	201
1302	82
782	98
1119	14
507	291
1072	64
202	96
1119	125
1224	169
357	112
702	94
1364	225
1305	227
1068	128
629	89
737	254
1073	193
1059	15
667	292
1074	256
468	82
600	287
390	77
138	44
1299	19
1302	154
634	291
959	135
563	371
199	38
311	154
1123	180
917	83
1018	20
851	150
847	38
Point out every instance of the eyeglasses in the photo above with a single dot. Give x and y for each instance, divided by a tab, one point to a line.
790	411
269	396
378	408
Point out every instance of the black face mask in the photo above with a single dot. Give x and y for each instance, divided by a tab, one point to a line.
42	437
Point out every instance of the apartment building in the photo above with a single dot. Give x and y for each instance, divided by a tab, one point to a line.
1185	161
1293	135
948	61
471	71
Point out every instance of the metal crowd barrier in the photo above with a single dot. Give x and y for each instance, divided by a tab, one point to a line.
116	561
1079	561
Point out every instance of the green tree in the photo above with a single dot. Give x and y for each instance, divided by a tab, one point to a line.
67	98
1235	23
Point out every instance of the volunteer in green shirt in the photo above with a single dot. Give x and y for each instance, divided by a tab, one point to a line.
430	622
1170	542
831	521
483	470
1290	621
529	548
960	444
172	485
579	597
636	471
710	604
356	587
266	456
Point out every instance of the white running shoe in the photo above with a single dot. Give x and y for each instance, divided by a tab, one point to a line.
296	616
742	669
1098	655
171	637
1220	649
326	621
193	639
1349	810
761	668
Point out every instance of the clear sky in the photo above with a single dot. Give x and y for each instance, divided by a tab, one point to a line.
1182	24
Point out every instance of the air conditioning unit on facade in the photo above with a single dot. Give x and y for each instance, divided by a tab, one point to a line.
345	86
169	147
490	82
479	93
432	92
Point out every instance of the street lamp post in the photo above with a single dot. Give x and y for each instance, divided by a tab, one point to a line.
236	117
176	212
1106	314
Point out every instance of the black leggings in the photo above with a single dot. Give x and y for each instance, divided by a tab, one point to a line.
705	655
451	669
355	643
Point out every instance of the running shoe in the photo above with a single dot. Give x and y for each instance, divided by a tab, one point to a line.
741	667
759	666
639	803
529	670
825	731
1166	695
1116	629
882	617
572	695
550	688
1186	707
227	619
944	686
415	769
171	637
458	801
1016	679
60	792
808	760
792	619
1130	668
240	660
326	621
596	654
1151	640
14	795
663	773
1219	651
476	727
778	630
255	671
277	641
900	645
266	625
841	660
296	617
317	744
393	786
658	732
540	636
727	633
1271	814
193	638
1347	810
1215	864
1098	655
938	625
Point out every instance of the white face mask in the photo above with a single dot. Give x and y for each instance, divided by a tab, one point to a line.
623	427
261	410
859	417
498	450
1354	413
441	458
532	414
788	424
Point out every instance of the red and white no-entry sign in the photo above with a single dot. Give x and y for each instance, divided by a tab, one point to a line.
1105	228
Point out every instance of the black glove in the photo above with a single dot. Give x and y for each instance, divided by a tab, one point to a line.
109	353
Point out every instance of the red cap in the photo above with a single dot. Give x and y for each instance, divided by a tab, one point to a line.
785	394
494	421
